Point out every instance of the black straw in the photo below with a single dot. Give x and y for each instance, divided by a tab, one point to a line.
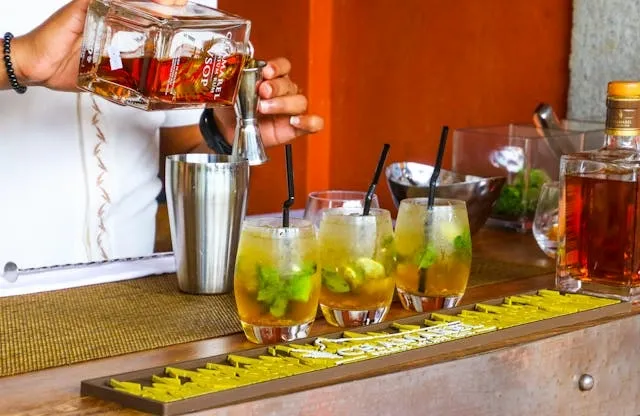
368	199
422	281
436	168
289	202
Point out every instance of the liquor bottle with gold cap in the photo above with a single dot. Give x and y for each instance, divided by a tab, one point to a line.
599	218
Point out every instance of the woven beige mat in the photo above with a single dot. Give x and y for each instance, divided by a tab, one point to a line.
68	326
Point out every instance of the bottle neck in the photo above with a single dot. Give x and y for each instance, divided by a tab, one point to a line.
616	142
623	124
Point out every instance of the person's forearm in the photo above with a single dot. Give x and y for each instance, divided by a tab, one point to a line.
18	61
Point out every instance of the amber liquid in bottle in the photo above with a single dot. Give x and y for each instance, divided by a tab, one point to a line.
599	220
601	228
183	79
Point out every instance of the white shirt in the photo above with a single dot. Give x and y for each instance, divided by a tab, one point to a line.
73	190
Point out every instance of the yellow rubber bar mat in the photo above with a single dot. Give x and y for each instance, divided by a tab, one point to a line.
260	372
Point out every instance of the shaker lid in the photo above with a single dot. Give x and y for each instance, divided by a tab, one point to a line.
623	89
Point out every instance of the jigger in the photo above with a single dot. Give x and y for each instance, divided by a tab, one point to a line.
247	143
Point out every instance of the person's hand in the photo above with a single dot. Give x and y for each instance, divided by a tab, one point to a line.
282	107
49	55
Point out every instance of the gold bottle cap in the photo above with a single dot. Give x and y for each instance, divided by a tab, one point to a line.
623	108
626	89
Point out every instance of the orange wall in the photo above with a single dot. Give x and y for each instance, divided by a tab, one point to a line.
395	71
277	31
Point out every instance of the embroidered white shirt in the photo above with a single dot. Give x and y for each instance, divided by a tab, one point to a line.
78	174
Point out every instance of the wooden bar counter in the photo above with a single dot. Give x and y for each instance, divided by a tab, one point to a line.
587	369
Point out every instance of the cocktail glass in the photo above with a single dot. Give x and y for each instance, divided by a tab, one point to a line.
433	253
357	262
318	202
545	222
276	282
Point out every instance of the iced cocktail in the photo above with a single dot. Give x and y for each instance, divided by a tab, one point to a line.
357	262
318	202
276	281
433	253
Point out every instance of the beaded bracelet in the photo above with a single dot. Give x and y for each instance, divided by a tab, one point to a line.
13	80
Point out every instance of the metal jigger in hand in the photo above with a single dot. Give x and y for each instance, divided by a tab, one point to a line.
247	143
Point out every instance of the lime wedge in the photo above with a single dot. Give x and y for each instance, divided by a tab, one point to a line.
371	268
299	287
353	275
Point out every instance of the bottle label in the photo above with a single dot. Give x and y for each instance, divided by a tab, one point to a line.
215	65
199	63
115	61
623	117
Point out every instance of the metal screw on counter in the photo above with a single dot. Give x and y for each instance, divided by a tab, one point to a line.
586	382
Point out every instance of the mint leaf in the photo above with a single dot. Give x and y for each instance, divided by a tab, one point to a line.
268	294
513	201
267	276
298	284
537	178
279	307
462	244
269	284
276	292
428	257
510	201
334	282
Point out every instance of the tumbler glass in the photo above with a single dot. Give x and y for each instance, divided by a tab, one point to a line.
433	253
276	280
357	261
